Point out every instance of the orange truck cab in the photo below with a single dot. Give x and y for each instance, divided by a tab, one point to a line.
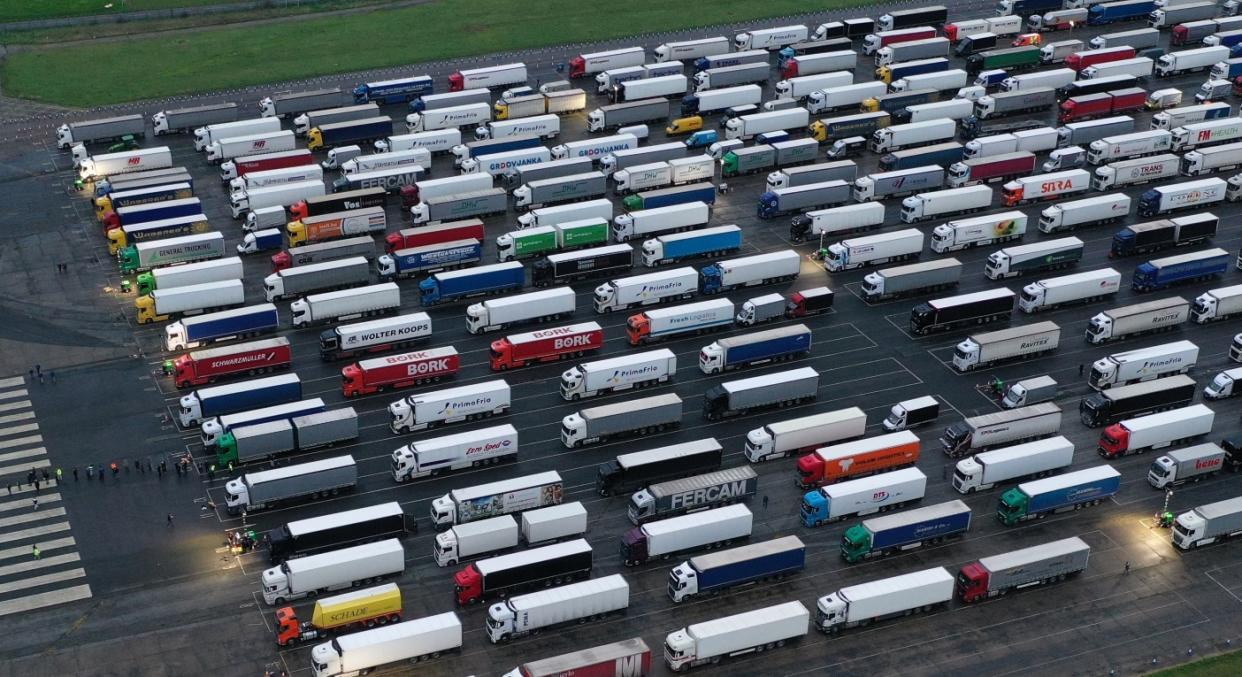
1027	39
355	610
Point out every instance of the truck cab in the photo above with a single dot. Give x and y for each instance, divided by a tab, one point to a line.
847	147
761	309
634	547
814	510
972	582
1213	90
809	302
500	622
1070	157
911	413
830	611
1224	384
737	112
683	582
1012	507
468	585
1029	391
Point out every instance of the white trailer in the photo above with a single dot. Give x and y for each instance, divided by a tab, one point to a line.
410	641
1140	318
1009	464
650	222
1139	67
543	126
771	39
275	177
747	126
912	278
845	219
162	304
1083	287
884	598
649	88
642	177
1208	132
1209	523
379	161
1155	431
466	541
416	412
124	162
536	306
202	272
554	522
952	109
912	134
453	117
1187	60
692	169
205	136
801	87
1025	342
333	570
942	81
435	141
978	231
859	497
618	373
1124	146
688	50
1217	304
874	249
454	452
1184	465
1185	115
1212	159
844	96
1093	211
595	62
523	614
1046	186
558	214
281	195
806	433
945	202
1143	364
1054	78
743	633
650	288
251	144
488	77
1136	171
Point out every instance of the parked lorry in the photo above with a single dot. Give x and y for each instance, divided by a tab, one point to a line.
979	433
1068	289
864	496
747	126
454	452
505	497
192	332
144	256
1136	171
202	367
955	311
1069	491
1154	431
873	249
95	167
374	336
346	304
567	267
633	470
1179	196
882	599
1055	185
944	203
880	536
846	219
1004	167
1159	315
450	405
1183	465
743	565
847	460
619	373
545	345
639	416
1143	364
766	346
467	541
910	279
164	304
1025	342
686	533
709	641
1044	563
734	398
665	249
1171	270
1208	524
455	285
350	611
651	288
770	268
692	494
249	443
524	614
1022	461
977	231
315	479
629	657
911	413
102	129
690	318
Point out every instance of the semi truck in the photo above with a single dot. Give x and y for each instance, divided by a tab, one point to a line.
864	496
911	413
316	479
523	614
911	279
686	533
267	440
1143	364
1154	431
770	268
338	274
848	460
661	323
692	494
217	270
450	405
1142	318
1208	524
1061	493
847	219
1069	289
1184	465
202	367
651	288
873	250
454	452
1025	342
1046	255
882	599
618	373
504	575
675	247
346	304
1029	567
945	203
495	534
980	433
537	306
749	349
399	371
445	287
882	536
640	416
734	398
1164	233
505	497
743	633
1019	462
1136	171
192	332
1138	399
216	400
1003	167
102	129
164	304
785	438
628	657
545	345
1165	272
567	267
713	573
411	641
955	311
374	336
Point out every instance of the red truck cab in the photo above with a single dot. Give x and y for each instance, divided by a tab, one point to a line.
201	367
468	584
546	345
972	583
1114	441
809	302
399	371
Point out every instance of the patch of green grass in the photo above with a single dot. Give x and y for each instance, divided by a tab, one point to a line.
51	36
26	10
103	73
1224	665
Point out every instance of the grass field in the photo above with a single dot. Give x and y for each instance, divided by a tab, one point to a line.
25	10
1225	665
111	72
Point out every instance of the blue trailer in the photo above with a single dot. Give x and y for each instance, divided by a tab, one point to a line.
158	177
880	536
1164	273
336	134
198	330
1112	12
943	154
158	211
261	241
474	149
484	280
142	196
1233	69
666	197
771	345
260	392
445	256
674	247
1031	500
722	60
898	71
394	91
1025	8
716	571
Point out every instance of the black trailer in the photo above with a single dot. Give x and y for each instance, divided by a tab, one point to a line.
960	311
1115	404
568	267
628	472
329	532
340	202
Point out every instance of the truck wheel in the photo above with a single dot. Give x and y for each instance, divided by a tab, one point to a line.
280	600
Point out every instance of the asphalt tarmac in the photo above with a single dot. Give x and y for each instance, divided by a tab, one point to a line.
169	599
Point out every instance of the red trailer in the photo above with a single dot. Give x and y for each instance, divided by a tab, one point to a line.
1103	104
262	163
399	371
905	35
628	658
201	367
1002	167
546	345
406	238
1080	60
809	302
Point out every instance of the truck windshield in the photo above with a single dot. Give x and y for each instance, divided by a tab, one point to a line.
1179	529
566	432
1159	470
492	622
1027	296
1108	439
494	353
807	508
959	353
